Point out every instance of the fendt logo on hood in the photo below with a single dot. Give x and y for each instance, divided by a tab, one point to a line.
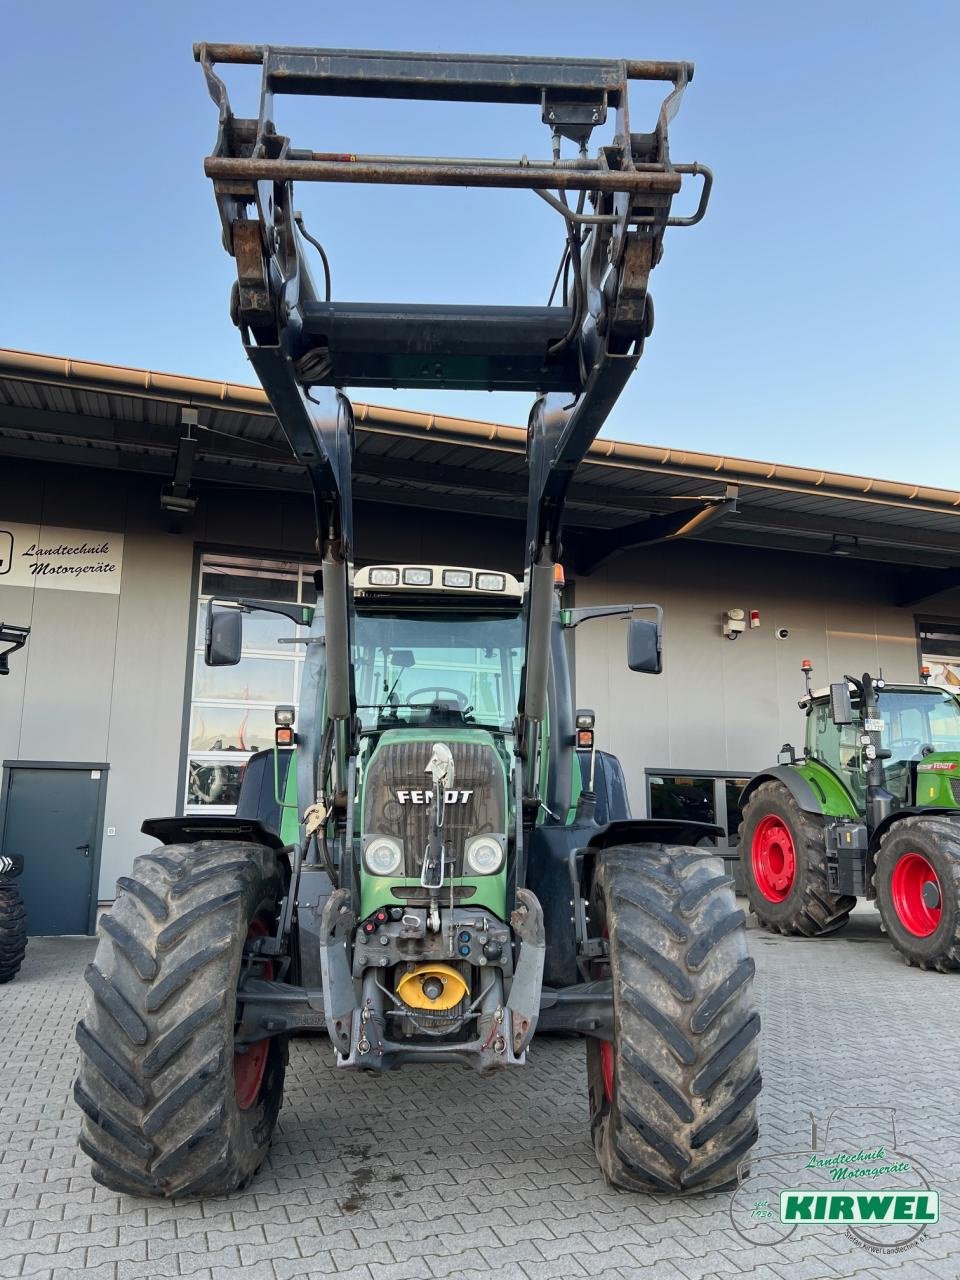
426	797
440	767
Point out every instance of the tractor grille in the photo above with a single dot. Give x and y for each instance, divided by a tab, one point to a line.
401	766
955	789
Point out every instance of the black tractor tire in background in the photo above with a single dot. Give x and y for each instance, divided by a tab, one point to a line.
673	1097
169	1108
914	852
13	931
807	907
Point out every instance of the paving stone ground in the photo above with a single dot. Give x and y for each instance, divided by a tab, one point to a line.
432	1172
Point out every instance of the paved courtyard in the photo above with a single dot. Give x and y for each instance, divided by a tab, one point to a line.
433	1173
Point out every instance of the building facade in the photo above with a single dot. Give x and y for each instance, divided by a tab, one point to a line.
109	716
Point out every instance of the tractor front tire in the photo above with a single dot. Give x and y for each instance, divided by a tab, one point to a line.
170	1107
673	1096
917	879
13	931
784	860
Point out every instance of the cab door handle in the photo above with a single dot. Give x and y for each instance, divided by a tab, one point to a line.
84	849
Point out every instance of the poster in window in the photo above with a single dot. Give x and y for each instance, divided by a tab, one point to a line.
944	672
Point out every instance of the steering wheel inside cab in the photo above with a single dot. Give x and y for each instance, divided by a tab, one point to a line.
441	710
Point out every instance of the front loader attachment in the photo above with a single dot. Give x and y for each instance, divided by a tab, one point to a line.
583	348
575	355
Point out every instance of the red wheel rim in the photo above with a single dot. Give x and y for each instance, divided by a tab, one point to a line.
250	1066
911	874
774	858
606	1068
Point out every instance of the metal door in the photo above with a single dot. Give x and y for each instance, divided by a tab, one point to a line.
52	814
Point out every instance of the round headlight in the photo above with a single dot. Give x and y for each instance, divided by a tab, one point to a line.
383	856
483	855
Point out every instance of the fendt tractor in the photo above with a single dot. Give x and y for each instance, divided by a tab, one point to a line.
871	809
13	914
417	868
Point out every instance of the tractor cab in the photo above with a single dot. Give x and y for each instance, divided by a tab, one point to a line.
436	647
919	728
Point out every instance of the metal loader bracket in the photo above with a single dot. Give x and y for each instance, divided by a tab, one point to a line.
298	339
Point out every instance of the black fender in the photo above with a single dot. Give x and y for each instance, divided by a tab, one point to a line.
259	786
669	831
909	811
210	827
654	831
795	783
609	785
560	869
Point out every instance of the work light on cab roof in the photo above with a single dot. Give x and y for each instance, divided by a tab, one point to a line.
435	577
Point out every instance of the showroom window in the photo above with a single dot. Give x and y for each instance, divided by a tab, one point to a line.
231	708
699	796
940	651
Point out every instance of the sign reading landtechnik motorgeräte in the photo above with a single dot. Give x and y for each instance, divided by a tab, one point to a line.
33	555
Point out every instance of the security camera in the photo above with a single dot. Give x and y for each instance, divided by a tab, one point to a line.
733	623
781	633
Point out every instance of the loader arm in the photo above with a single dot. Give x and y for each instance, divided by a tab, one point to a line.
574	356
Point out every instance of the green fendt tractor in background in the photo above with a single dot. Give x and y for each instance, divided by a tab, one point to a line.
417	868
872	810
13	914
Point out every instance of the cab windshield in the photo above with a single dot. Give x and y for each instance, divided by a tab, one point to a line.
437	669
912	719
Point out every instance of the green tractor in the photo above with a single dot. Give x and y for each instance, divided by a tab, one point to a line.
416	869
871	809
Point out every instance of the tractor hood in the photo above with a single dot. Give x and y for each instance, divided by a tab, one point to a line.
938	780
406	775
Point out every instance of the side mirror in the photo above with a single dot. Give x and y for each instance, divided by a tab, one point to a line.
643	647
841	708
224	636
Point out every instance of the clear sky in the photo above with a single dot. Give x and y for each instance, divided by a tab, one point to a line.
812	318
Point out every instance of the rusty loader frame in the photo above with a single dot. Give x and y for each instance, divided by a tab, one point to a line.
575	357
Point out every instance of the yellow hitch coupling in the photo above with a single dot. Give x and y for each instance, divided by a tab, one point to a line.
432	986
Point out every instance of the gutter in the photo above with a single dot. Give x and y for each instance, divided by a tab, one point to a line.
407	423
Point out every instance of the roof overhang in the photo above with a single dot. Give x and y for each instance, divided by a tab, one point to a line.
84	413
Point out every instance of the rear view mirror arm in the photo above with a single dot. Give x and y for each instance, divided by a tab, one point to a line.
573	617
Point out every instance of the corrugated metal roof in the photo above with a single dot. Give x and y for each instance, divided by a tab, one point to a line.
51	402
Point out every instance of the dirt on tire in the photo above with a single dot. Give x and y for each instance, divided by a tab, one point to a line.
161	1113
681	1112
13	931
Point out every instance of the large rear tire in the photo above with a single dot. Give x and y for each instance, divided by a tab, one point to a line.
170	1108
673	1097
917	880
13	931
784	859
